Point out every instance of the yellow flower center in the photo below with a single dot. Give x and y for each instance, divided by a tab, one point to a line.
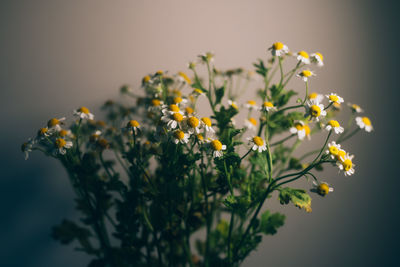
299	126
216	145
355	106
189	110
177	117
268	104
333	150
307	129
193	122
323	189
334	98
177	100
62	133
366	121
341	154
200	137
155	102
84	110
277	46
253	121
347	164
146	79
251	102
60	143
173	108
177	92
103	143
312	96
198	91
159	72
133	123
42	131
258	141
334	123
185	77
320	56
179	134
306	73
53	122
206	121
303	54
234	105
315	111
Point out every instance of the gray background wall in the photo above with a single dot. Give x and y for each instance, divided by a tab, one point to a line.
58	55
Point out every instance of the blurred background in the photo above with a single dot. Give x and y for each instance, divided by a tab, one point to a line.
58	55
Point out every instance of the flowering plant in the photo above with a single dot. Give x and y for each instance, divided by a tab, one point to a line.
160	170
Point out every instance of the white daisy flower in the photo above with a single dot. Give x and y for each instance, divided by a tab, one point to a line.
346	165
322	188
93	137
193	125
172	120
27	147
217	147
334	98
250	123
233	104
355	108
268	106
303	57
305	75
181	137
170	109
133	126
316	97
251	104
84	113
315	110
184	78
364	123
279	49
317	58
189	111
334	150
207	125
63	133
258	143
334	125
43	133
180	101
155	104
54	124
197	92
200	138
301	129
207	57
61	146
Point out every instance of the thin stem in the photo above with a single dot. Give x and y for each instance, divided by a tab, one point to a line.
230	237
281	70
342	139
248	152
283	140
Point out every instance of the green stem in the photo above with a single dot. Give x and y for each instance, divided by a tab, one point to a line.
230	237
283	140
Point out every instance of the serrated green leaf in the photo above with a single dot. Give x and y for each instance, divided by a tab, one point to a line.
298	197
219	93
270	222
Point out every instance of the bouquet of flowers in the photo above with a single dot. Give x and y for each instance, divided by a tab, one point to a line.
167	181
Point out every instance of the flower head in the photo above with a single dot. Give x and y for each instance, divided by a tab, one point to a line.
250	123
61	145
315	110
258	144
251	104
334	98
322	188
334	125
303	57
334	150
355	108
173	119
207	124
233	104
217	147
316	97
268	106
207	57
279	49
84	113
54	124
301	129
193	125
317	58
180	137
346	164
27	147
305	75
364	123
133	126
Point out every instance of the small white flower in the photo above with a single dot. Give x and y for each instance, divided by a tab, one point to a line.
179	101
250	123
84	113
193	125
364	123
268	106
316	97
346	165
303	57
27	147
132	126
301	129
233	104
206	124
217	147
335	151
197	92
317	58
305	75
173	120
207	57
181	137
355	108
258	143
42	134
54	124
170	109
61	146
315	110
155	104
322	188
251	104
279	49
184	78
334	125
335	98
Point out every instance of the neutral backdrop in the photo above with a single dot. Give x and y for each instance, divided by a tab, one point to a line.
58	55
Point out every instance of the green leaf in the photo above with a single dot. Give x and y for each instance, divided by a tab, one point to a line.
270	222
219	93
298	197
260	68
